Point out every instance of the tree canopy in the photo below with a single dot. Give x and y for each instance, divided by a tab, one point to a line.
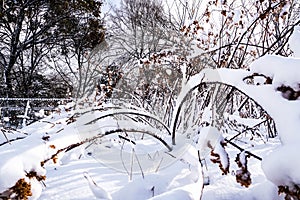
31	29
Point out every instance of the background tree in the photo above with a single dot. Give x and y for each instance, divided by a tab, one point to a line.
140	28
30	30
157	56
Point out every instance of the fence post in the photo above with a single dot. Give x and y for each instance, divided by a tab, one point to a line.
26	113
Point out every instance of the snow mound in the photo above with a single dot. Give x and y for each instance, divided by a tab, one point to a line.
294	41
282	166
282	70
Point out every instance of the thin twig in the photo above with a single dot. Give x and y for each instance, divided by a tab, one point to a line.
11	140
140	166
247	129
241	149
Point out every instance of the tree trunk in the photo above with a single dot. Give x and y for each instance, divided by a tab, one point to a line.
8	82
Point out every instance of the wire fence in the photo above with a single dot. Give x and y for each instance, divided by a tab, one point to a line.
19	112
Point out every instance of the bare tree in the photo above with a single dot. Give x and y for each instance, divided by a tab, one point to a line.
140	28
29	29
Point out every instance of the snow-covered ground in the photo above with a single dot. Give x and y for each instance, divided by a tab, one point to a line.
85	156
65	173
65	179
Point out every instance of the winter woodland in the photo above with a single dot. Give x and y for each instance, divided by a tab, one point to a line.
155	99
